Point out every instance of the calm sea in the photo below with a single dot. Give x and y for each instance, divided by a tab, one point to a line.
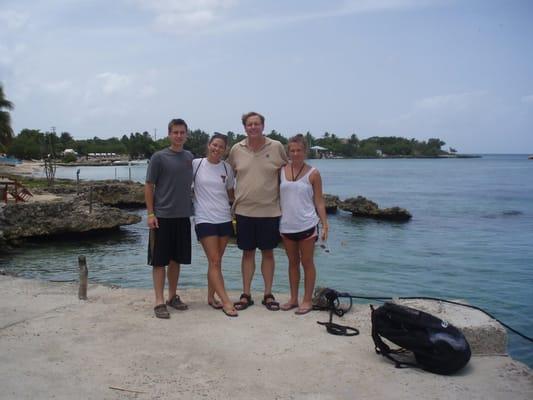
471	238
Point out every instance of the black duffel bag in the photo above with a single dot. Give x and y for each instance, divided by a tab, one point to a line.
438	346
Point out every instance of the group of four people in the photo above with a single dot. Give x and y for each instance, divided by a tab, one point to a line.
269	196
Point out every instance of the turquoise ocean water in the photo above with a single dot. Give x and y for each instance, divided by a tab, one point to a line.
471	238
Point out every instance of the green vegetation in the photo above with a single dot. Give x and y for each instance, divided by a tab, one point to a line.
34	144
6	132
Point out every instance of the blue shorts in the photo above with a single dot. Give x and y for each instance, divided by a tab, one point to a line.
205	229
257	232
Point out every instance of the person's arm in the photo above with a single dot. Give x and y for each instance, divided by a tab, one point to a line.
283	155
230	185
231	159
320	204
149	200
231	195
151	178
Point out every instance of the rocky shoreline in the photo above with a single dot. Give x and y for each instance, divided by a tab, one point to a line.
68	207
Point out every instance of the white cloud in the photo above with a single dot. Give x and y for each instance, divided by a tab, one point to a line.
13	20
184	15
214	16
527	99
9	54
361	6
57	87
447	115
113	83
147	91
449	104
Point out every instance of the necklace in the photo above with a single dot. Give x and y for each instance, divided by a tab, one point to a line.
299	172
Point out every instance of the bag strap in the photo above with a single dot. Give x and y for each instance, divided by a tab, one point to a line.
197	168
337	329
333	305
383	349
225	168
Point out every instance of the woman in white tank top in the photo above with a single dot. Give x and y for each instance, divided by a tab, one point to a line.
302	207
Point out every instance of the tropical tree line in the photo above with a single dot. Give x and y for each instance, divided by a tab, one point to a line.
34	144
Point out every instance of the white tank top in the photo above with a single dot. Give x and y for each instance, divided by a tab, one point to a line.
298	211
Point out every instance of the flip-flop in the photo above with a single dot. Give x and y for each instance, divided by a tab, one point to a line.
288	306
302	311
270	305
243	305
161	311
228	314
216	305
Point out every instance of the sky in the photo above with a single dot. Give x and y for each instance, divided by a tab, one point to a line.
458	70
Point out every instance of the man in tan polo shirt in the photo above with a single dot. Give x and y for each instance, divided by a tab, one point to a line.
256	161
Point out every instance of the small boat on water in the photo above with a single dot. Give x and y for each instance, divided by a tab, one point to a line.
9	161
530	157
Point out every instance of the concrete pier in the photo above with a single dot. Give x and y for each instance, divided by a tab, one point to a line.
53	345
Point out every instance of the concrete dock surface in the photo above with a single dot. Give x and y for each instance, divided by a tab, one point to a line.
54	346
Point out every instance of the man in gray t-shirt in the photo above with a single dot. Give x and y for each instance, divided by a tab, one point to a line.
167	194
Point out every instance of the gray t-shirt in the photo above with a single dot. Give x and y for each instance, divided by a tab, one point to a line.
171	173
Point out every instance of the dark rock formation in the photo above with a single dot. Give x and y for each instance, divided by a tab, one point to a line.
362	207
63	216
111	193
117	194
332	203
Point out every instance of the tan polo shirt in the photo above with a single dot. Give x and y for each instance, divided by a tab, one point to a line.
257	176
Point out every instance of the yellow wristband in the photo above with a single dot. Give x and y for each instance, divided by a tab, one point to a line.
151	215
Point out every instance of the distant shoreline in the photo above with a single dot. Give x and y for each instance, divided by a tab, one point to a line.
402	157
134	163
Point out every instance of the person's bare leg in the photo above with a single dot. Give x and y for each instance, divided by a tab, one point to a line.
210	290
267	268
173	273
248	270
293	254
307	248
211	245
158	275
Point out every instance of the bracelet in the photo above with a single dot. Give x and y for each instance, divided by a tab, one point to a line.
151	215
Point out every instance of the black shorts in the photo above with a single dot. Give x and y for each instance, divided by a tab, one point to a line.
304	235
171	241
205	229
257	232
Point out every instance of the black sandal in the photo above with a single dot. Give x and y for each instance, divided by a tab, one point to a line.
270	305
241	305
161	311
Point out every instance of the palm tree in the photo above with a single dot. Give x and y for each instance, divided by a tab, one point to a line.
6	132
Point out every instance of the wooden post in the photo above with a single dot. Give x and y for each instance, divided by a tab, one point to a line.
84	275
90	199
78	181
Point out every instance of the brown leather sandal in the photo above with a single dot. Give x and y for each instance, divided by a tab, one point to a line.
243	305
270	305
161	311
